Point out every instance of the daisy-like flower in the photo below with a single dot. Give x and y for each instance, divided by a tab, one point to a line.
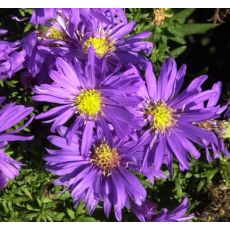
71	33
10	115
57	38
103	174
173	117
11	57
148	212
218	128
176	215
43	46
112	42
92	98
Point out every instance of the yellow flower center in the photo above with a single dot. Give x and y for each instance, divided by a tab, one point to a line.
105	158
89	102
162	116
56	34
160	15
101	45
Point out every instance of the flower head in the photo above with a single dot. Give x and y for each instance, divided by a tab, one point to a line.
10	115
217	127
11	58
103	174
160	16
113	42
92	97
71	32
174	117
148	212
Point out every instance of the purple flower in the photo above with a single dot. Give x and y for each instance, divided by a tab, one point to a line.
9	169
214	126
10	115
92	98
42	15
11	58
113	42
174	117
148	212
106	15
145	212
71	33
177	215
100	175
42	48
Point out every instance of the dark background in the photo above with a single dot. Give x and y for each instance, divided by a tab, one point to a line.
209	53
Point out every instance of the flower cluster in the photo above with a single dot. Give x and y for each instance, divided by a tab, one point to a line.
111	117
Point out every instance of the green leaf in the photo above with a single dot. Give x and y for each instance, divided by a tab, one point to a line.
200	185
27	192
45	200
80	209
28	27
179	40
178	188
71	213
183	15
85	219
211	174
178	51
188	175
196	28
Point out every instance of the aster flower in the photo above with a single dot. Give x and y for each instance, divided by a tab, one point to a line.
218	128
42	47
100	175
148	212
10	115
53	40
92	98
9	169
177	215
112	42
173	117
11	57
73	31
